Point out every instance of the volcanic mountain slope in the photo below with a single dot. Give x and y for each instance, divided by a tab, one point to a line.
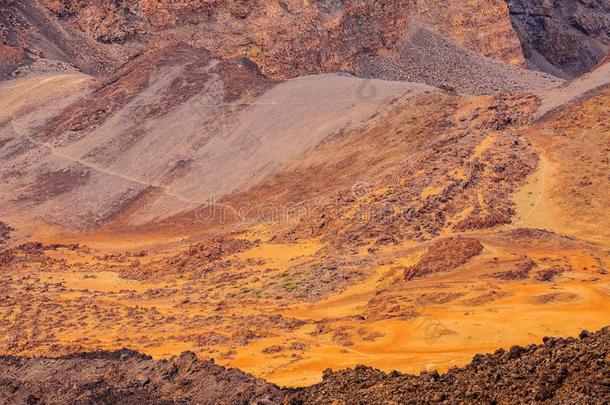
202	122
316	37
202	125
205	195
558	371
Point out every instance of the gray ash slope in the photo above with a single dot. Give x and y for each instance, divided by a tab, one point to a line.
559	371
42	43
425	56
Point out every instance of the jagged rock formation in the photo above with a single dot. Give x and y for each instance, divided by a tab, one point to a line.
128	377
562	37
285	38
290	38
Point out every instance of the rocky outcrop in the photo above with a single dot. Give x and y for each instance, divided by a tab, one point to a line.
479	25
445	255
290	38
562	37
558	371
128	377
5	233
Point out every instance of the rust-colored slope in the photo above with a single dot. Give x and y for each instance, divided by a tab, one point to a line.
289	38
286	294
568	193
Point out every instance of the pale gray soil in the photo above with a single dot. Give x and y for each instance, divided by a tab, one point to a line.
199	150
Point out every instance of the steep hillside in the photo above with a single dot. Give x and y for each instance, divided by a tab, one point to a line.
563	38
205	127
285	38
33	39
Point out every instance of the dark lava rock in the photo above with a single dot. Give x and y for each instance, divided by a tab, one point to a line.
560	371
562	37
128	377
5	232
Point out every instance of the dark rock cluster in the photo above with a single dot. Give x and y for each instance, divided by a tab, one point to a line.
127	377
445	255
5	232
566	371
562	37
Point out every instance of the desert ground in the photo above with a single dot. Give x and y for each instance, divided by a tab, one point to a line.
283	298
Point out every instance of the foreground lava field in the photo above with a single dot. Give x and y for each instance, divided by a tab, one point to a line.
402	197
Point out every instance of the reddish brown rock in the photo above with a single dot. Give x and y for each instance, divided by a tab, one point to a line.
557	371
290	38
445	255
